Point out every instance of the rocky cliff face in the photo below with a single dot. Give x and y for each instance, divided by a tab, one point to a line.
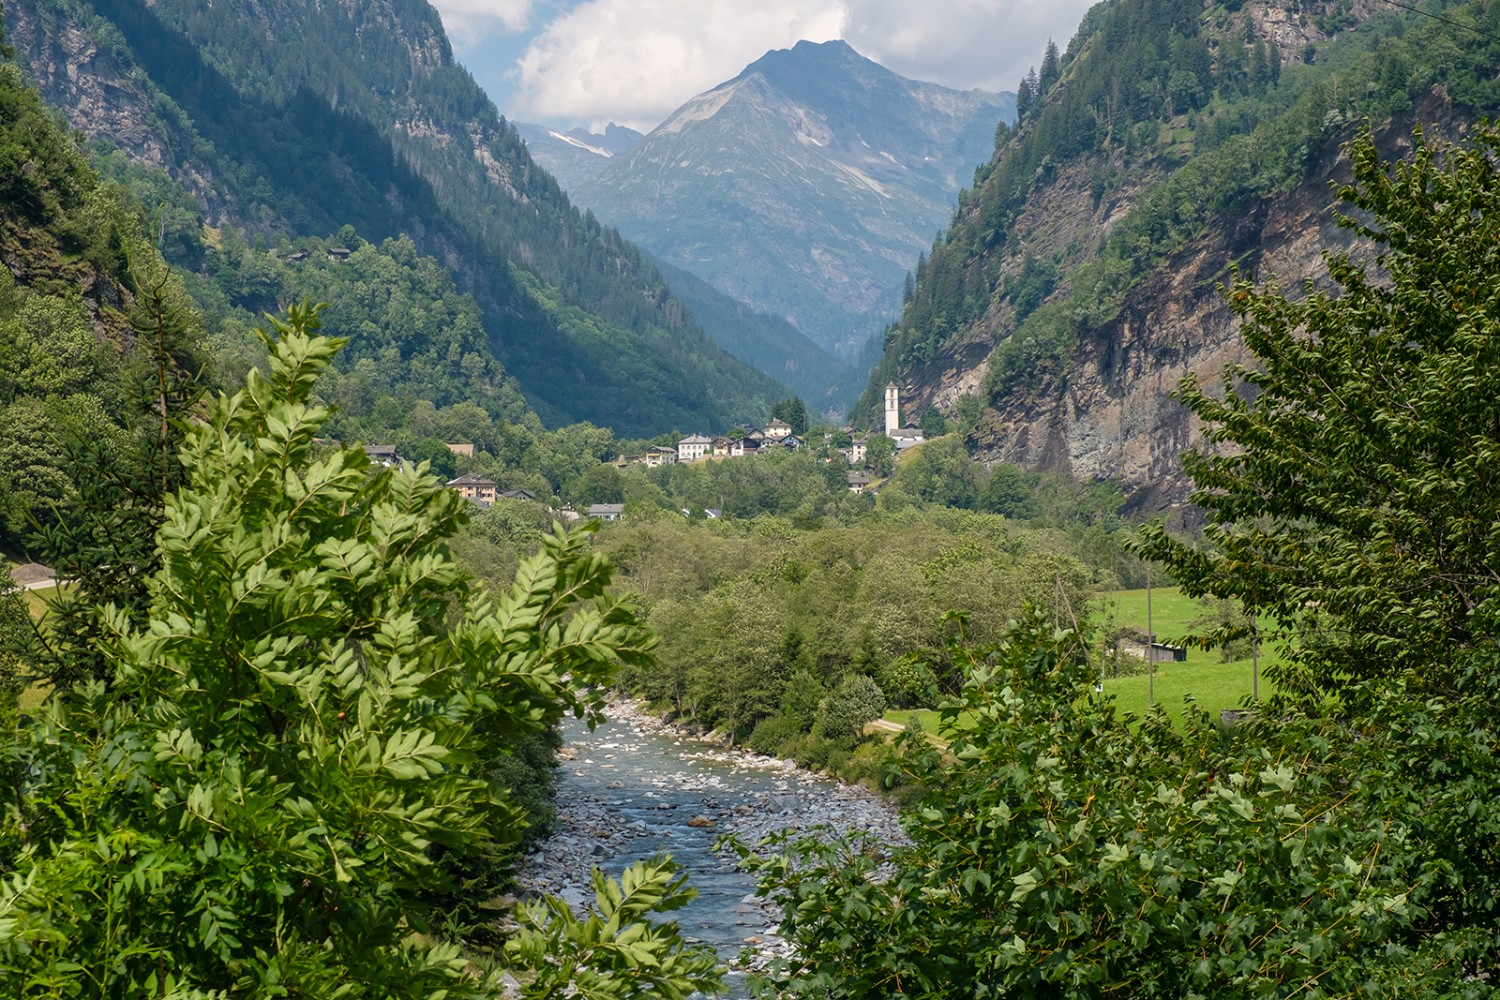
1105	409
1112	415
72	70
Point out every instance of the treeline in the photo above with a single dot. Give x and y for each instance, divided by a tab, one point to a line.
767	629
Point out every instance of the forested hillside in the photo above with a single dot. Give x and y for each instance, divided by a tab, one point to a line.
1169	141
292	120
96	345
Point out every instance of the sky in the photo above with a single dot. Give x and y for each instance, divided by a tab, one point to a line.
566	63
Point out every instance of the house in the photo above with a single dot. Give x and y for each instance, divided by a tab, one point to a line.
296	256
517	495
462	450
605	511
472	486
1135	642
742	446
690	449
777	429
858	481
790	442
659	455
859	451
384	454
755	434
339	254
721	447
905	437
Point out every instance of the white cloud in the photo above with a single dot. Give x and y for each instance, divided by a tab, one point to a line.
467	21
961	43
635	61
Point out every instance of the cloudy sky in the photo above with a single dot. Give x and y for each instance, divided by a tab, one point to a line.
589	62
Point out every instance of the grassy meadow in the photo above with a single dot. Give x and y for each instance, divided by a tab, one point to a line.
1202	677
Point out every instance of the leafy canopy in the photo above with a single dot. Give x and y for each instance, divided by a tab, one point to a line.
1058	850
255	805
1350	490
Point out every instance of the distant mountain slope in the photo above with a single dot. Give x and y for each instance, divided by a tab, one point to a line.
769	343
1077	283
295	119
576	155
807	186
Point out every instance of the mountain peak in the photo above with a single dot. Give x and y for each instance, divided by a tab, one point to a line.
834	55
806	186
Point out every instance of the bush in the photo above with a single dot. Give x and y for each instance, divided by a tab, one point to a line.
1058	850
843	714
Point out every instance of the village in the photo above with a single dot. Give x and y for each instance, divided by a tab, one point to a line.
746	442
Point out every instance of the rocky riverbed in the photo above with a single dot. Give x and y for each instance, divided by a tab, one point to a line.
635	786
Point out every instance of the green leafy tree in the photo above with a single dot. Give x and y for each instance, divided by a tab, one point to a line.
933	423
1011	491
1350	493
1058	850
120	476
941	472
880	455
843	714
259	804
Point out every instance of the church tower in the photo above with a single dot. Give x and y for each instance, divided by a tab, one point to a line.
892	408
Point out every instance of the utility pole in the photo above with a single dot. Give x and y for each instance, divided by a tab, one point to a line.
1150	645
1255	660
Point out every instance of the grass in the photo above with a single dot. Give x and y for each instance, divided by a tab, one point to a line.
1213	685
36	604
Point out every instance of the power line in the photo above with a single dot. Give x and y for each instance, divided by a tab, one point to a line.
1445	20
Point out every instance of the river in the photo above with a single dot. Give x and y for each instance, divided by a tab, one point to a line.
632	788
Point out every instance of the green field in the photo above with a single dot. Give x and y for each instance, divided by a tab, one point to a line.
1215	686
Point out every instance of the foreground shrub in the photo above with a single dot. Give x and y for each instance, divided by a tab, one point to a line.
1058	850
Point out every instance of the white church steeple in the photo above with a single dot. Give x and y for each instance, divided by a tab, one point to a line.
892	408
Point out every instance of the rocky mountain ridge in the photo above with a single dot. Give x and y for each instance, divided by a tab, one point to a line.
807	186
577	155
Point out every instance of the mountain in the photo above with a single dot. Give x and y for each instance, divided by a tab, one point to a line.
807	186
1078	282
576	155
770	344
286	120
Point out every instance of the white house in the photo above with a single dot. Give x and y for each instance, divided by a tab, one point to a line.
777	429
905	437
690	449
605	511
660	454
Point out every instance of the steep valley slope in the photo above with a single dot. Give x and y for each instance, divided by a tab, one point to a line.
1080	280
